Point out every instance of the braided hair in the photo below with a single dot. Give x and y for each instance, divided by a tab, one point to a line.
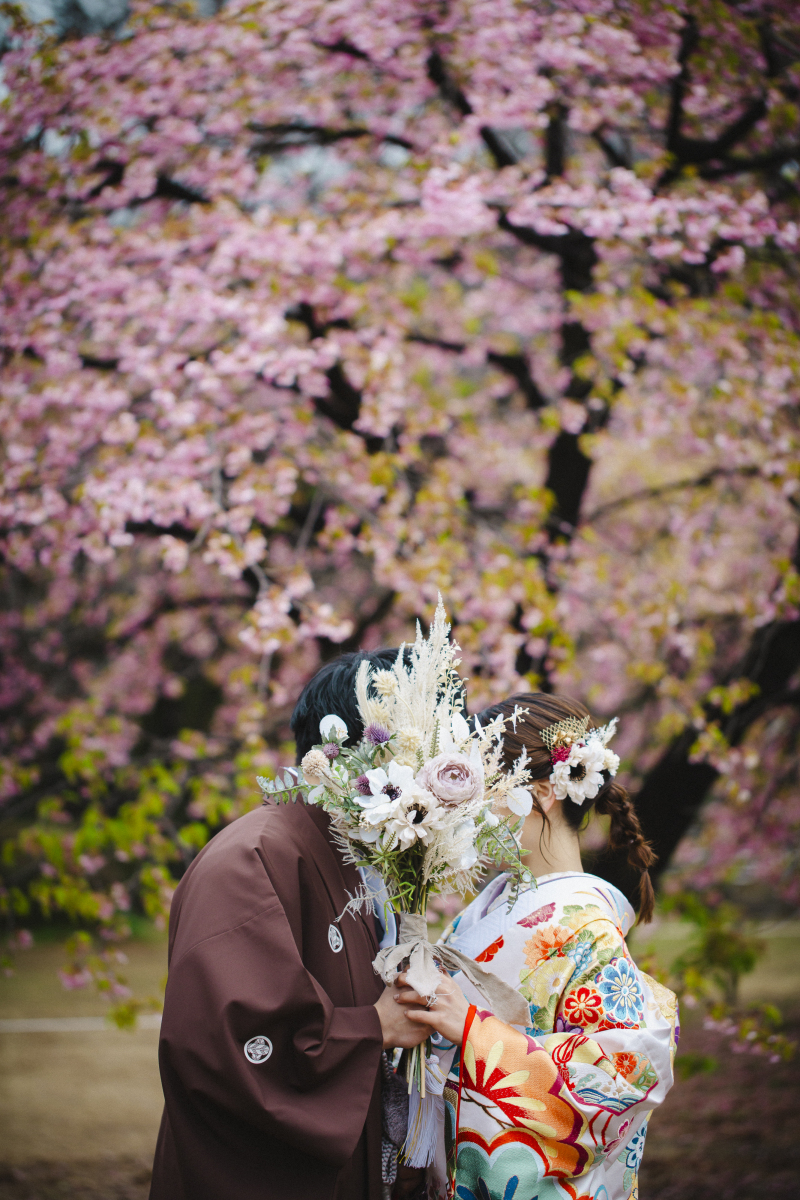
612	800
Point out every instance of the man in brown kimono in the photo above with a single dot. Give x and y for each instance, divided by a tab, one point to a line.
274	1021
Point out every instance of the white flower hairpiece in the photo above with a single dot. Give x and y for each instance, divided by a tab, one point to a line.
579	758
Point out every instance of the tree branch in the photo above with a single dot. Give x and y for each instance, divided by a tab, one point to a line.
495	143
344	47
286	135
699	150
574	249
168	605
688	151
151	529
518	367
555	143
654	493
757	162
365	622
617	158
448	88
171	189
515	365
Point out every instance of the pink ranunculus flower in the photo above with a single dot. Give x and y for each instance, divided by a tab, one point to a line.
453	778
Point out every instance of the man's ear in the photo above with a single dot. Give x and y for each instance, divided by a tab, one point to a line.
545	793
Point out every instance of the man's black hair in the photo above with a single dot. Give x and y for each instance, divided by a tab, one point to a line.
333	690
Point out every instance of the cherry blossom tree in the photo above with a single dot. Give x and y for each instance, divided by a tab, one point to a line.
314	308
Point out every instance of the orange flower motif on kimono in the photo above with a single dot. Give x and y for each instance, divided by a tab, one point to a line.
545	943
488	954
626	1064
583	1007
606	1024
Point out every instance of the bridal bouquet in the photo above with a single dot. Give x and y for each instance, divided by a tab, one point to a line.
423	801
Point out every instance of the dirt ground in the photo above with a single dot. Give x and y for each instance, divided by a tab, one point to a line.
733	1134
79	1112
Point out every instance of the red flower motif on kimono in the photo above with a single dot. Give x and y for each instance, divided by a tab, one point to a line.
606	1024
488	954
626	1064
583	1007
538	916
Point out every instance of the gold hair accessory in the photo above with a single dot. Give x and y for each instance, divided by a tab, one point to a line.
564	733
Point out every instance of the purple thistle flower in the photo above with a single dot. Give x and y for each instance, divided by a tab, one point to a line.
331	750
362	786
377	735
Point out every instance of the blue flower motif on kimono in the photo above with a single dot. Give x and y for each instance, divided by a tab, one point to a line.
618	984
635	1148
535	1029
581	954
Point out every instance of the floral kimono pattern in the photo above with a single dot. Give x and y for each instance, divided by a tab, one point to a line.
558	1111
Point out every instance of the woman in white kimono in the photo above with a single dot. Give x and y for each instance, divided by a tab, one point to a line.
558	1111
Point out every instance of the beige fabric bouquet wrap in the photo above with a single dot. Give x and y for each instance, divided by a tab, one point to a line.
424	976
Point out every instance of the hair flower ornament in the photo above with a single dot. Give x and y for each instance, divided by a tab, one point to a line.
580	757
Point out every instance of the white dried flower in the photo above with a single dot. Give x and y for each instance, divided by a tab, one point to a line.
408	742
315	767
611	762
385	683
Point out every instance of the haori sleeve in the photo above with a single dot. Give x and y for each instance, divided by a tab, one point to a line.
596	1059
250	1036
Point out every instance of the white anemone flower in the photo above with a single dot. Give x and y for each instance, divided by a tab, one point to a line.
586	783
395	775
333	726
418	815
380	808
387	789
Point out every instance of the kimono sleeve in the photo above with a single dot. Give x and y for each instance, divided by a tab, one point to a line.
250	1035
578	1092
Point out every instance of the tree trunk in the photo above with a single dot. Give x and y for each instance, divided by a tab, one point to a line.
673	792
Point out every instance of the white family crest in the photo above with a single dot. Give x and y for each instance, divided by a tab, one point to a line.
258	1050
335	939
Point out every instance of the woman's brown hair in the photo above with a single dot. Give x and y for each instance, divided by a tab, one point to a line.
612	800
